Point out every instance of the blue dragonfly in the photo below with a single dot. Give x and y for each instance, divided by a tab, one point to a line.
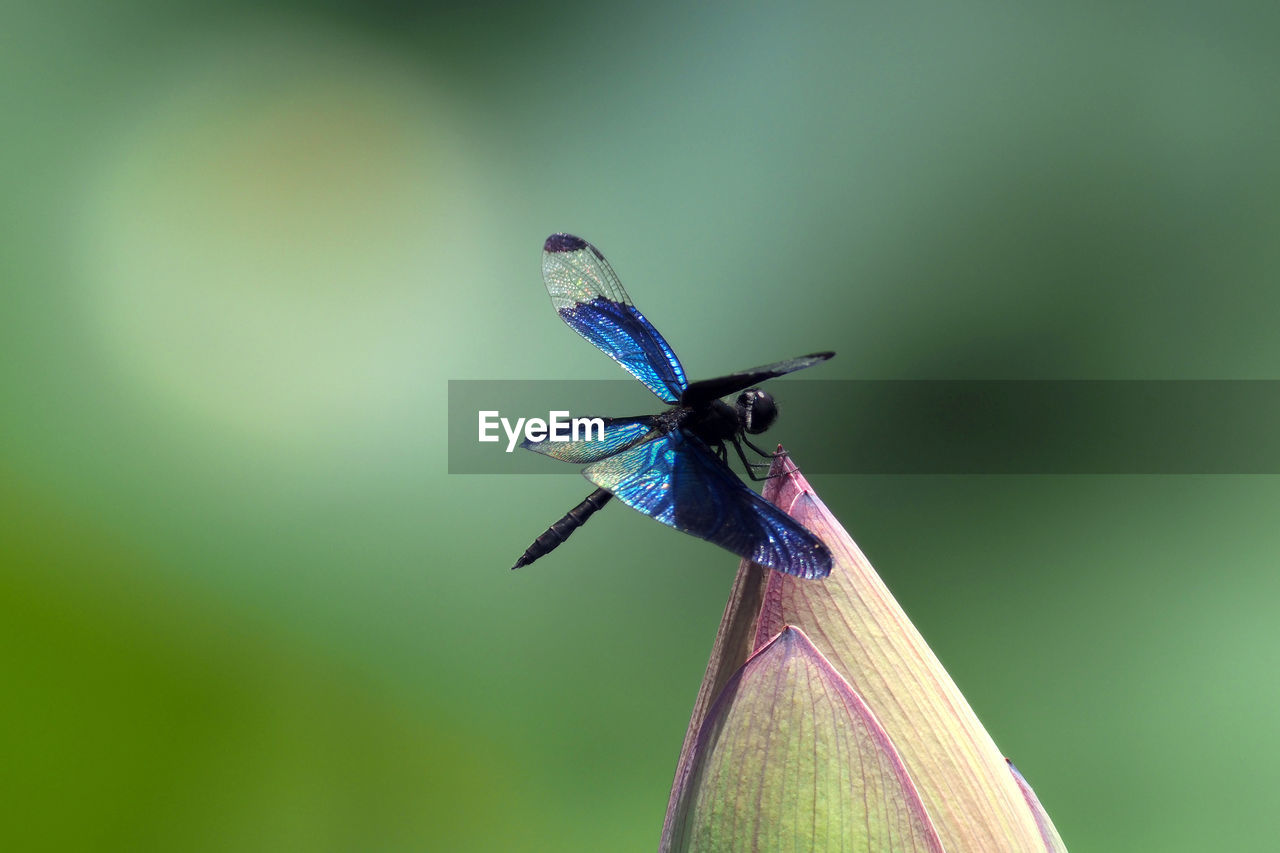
673	466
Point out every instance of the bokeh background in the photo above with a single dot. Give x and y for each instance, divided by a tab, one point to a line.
243	606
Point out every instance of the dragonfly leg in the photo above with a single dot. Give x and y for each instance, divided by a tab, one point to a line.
751	466
763	453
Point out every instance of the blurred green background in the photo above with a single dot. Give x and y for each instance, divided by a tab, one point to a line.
244	607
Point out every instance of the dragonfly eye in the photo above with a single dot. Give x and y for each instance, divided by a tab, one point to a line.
756	410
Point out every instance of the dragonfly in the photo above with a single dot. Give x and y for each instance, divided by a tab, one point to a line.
672	466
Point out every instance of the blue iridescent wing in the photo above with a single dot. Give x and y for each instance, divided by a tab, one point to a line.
619	434
676	480
587	295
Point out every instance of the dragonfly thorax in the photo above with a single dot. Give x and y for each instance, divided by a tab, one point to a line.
715	423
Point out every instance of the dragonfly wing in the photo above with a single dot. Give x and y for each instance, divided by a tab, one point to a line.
707	390
619	434
678	481
587	295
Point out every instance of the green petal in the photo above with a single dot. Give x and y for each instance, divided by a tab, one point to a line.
1048	832
789	758
972	799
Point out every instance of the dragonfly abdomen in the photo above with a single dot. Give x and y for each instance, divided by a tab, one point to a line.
562	529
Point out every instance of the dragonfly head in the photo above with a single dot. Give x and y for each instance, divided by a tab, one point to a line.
756	410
